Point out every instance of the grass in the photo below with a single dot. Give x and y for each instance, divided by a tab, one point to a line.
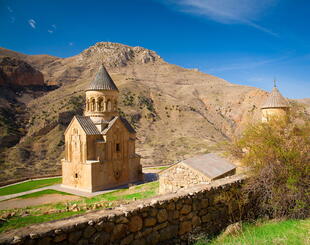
288	232
18	222
160	168
38	214
42	193
28	185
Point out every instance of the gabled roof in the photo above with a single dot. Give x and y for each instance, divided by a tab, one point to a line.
210	165
125	123
102	81
275	100
87	125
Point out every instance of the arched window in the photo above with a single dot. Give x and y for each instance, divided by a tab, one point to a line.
109	105
100	104
93	104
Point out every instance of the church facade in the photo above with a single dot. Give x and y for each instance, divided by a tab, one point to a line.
100	146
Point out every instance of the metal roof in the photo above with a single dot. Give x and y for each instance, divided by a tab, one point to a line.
102	81
210	165
275	100
88	126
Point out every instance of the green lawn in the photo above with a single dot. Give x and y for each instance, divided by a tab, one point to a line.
37	214
289	232
29	185
160	168
42	193
18	222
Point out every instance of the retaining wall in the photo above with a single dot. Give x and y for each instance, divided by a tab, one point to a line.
167	219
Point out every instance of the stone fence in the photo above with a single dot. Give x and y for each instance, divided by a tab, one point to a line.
167	219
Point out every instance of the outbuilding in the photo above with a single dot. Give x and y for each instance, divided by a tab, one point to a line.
196	170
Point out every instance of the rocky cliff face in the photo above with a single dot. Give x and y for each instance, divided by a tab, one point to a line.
17	72
176	112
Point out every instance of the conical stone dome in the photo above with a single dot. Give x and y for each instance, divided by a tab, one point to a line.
275	100
102	81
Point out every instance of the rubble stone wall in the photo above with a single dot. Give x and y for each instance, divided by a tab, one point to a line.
167	219
180	176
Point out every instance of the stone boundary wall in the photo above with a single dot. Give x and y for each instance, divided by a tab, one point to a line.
167	219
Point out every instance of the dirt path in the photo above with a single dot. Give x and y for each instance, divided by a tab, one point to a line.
45	199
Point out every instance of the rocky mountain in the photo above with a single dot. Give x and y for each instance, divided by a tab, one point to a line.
177	112
17	72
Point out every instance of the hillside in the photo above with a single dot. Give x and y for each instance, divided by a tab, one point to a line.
177	112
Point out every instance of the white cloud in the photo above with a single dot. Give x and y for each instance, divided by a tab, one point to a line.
54	26
71	44
50	31
32	23
227	11
10	9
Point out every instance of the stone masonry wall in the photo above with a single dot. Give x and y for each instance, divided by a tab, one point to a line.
167	219
180	176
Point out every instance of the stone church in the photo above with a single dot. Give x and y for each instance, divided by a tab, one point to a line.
100	146
275	105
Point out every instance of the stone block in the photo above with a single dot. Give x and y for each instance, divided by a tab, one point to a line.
121	220
44	241
171	206
185	227
100	238
140	241
152	238
162	215
204	203
60	237
160	226
168	232
74	236
127	240
196	205
186	209
149	221
153	212
83	242
108	227
196	221
89	231
119	232
135	223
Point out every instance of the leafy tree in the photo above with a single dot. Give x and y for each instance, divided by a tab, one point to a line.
277	154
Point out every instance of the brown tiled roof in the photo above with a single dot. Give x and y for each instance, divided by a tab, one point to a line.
88	126
275	100
210	165
102	81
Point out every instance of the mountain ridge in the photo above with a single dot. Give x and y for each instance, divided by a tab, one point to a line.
177	112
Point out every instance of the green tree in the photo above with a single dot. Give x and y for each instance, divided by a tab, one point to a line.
278	157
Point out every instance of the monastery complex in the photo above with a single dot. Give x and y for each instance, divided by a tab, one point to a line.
100	146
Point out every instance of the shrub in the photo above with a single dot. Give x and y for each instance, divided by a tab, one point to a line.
277	154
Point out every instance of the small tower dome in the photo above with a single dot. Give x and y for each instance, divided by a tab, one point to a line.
275	105
101	97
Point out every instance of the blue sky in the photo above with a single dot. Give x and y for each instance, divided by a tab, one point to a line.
248	42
